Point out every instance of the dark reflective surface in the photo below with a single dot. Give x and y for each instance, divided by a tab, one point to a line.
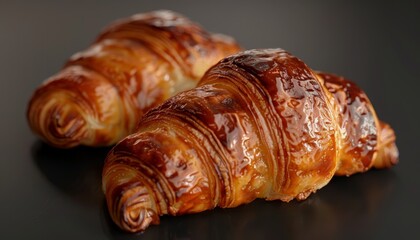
326	215
76	172
46	193
344	202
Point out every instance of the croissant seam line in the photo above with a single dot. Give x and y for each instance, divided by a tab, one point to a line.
272	110
216	145
129	157
167	53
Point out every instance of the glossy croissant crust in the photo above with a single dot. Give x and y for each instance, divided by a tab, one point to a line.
260	124
135	64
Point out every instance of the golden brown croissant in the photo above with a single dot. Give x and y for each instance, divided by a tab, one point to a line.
135	64
260	124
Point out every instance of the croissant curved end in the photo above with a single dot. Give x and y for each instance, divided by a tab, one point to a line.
137	210
59	120
130	200
130	203
387	149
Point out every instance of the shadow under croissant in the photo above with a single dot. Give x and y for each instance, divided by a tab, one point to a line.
76	172
347	207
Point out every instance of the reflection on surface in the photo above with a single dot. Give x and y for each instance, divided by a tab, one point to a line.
76	172
346	207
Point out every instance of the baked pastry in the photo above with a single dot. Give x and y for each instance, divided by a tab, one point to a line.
260	124
135	64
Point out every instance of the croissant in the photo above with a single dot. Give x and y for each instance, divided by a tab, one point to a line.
260	124
135	64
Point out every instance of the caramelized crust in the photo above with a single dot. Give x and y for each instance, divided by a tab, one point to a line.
358	125
260	124
135	64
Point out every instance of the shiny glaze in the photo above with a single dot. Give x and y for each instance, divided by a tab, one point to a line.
135	64
358	125
260	124
175	38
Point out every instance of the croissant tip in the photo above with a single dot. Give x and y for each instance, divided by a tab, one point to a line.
67	125
137	210
61	124
138	220
388	154
393	154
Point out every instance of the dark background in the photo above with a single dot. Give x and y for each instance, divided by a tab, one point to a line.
56	194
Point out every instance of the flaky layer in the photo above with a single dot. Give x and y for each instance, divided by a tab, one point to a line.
260	124
135	64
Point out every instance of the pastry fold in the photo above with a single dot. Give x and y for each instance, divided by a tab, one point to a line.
260	124
135	64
